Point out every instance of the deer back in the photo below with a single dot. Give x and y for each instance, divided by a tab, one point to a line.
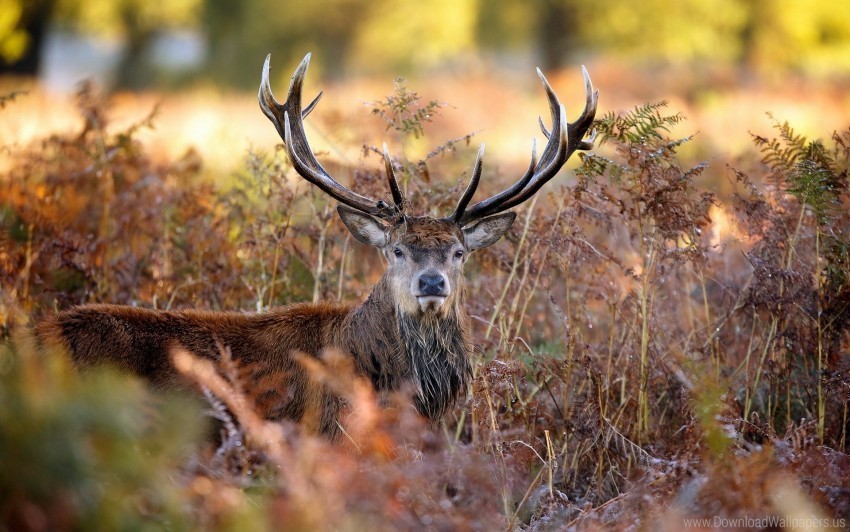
140	341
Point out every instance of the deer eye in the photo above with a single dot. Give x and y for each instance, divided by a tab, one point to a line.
459	254
398	252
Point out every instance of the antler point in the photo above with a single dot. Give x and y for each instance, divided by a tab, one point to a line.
265	75
541	76
588	84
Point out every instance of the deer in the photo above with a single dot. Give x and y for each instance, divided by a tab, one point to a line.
412	331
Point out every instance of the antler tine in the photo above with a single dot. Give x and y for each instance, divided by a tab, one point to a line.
463	218
583	122
288	120
543	127
564	139
558	122
398	198
578	129
470	189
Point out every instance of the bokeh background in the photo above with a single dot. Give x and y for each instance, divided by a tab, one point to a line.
724	64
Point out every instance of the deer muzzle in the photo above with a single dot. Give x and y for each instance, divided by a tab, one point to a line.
431	289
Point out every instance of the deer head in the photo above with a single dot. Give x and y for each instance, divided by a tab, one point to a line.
425	255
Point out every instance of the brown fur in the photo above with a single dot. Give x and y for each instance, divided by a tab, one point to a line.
391	344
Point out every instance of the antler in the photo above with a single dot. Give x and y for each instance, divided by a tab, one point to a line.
563	141
288	120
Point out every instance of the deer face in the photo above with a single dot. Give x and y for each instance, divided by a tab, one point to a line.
425	256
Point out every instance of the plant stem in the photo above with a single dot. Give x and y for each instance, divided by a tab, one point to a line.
514	267
821	403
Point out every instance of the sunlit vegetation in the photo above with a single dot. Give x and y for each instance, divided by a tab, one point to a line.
663	335
651	348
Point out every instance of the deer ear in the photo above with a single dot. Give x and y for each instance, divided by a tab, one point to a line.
364	227
487	231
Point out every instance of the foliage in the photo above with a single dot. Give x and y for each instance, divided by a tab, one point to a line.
405	35
817	178
13	39
659	30
111	17
406	116
402	112
369	35
634	363
812	174
90	216
814	36
768	36
643	123
91	453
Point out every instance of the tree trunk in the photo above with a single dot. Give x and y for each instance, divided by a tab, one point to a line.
556	32
134	69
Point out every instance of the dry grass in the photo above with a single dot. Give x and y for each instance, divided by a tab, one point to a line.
649	353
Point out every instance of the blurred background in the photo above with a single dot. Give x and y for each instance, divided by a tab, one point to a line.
723	63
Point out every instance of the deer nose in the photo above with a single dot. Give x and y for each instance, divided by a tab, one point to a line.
432	284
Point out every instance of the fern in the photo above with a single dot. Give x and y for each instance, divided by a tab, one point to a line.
402	111
804	168
781	153
643	123
594	165
813	184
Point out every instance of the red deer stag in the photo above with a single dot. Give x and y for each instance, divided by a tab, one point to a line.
413	329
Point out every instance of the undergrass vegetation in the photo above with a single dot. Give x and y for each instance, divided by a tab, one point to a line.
650	351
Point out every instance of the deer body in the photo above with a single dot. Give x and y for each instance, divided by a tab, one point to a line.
431	355
413	330
140	341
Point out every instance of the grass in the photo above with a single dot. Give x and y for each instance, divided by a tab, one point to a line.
650	351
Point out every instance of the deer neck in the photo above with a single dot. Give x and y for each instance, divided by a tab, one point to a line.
431	351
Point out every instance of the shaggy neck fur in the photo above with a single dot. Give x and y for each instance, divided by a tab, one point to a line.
439	360
429	350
